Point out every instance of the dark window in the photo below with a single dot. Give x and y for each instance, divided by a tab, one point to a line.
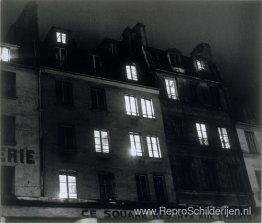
8	84
142	187
60	56
107	186
98	96
94	63
175	59
160	188
113	49
178	128
258	176
64	93
7	181
193	94
185	174
8	130
216	101
66	138
211	174
250	137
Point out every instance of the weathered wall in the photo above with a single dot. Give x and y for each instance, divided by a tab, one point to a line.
24	155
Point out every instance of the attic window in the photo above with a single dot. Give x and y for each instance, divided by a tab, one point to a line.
131	72
201	65
174	59
61	37
4	54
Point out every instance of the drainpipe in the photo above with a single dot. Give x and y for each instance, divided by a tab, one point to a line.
41	151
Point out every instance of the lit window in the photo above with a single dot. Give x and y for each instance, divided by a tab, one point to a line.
153	147
61	37
131	105
136	146
224	138
147	108
4	54
67	185
171	89
202	134
131	72
101	141
201	65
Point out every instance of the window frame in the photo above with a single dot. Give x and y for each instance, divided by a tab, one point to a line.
108	184
61	37
143	194
96	93
224	138
171	91
67	174
177	62
8	84
203	140
201	64
101	145
128	105
65	147
138	152
145	111
3	56
252	146
131	72
159	198
151	151
61	84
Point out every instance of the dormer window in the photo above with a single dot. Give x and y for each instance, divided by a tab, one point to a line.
174	59
4	54
201	65
113	49
94	63
60	37
131	72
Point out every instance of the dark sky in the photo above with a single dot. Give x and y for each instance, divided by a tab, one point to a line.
232	28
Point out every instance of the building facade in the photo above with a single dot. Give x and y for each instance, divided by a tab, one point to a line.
249	137
121	127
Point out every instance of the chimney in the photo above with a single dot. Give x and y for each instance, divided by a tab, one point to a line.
135	36
202	50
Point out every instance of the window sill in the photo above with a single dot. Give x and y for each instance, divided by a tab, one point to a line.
147	158
104	155
133	116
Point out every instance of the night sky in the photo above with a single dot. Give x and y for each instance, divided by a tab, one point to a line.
233	30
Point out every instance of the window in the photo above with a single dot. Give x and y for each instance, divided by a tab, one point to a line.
250	137
131	72
64	93
107	186
201	65
258	176
113	49
101	141
147	108
131	105
66	138
142	187
8	130
94	63
5	54
7	181
67	184
136	145
98	96
202	134
160	188
175	59
153	147
60	56
224	138
61	37
171	88
8	84
215	95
